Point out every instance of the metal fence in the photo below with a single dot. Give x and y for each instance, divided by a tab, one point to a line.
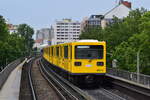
132	76
7	70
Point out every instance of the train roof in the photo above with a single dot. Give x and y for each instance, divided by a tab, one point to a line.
79	41
87	41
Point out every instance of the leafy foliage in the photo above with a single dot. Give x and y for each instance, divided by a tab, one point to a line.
125	38
3	29
13	46
26	32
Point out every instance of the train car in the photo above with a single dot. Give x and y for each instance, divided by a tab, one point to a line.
80	62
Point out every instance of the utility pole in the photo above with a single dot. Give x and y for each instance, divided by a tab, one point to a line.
138	66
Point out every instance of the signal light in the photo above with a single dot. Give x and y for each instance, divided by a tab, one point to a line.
77	63
100	63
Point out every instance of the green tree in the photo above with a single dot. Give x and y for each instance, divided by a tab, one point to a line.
93	33
3	29
15	45
125	37
126	52
26	32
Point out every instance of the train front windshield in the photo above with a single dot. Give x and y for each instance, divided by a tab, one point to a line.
89	52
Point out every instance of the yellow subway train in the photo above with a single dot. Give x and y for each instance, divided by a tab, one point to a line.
80	62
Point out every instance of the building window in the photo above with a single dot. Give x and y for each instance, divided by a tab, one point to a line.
60	23
74	23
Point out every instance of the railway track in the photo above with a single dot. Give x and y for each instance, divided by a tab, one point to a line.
103	94
95	94
132	90
62	86
64	90
27	90
34	97
34	86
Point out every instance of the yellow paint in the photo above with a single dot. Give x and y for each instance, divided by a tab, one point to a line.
68	64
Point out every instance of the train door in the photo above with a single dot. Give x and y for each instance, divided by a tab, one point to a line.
66	54
52	55
60	56
62	60
57	56
70	58
50	60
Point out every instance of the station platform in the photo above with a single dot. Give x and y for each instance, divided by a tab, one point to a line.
11	88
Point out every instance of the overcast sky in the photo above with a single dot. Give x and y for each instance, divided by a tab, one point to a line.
42	13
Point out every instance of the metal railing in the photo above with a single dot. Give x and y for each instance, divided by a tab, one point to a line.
7	70
132	76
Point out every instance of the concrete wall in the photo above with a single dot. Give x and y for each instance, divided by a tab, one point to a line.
8	69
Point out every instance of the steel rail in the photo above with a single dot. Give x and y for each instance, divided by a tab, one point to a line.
57	82
54	87
30	79
69	86
111	95
133	90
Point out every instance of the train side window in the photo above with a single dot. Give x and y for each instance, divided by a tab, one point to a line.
66	52
54	54
52	51
49	51
70	52
60	51
57	51
46	51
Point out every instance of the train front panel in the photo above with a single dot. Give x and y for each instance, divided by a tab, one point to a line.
89	58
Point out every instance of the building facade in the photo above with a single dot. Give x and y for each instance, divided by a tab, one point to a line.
12	28
92	21
64	31
120	11
43	35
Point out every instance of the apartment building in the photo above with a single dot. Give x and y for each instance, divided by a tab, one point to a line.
120	11
92	21
65	30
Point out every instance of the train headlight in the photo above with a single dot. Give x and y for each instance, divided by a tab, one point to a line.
100	63
77	63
